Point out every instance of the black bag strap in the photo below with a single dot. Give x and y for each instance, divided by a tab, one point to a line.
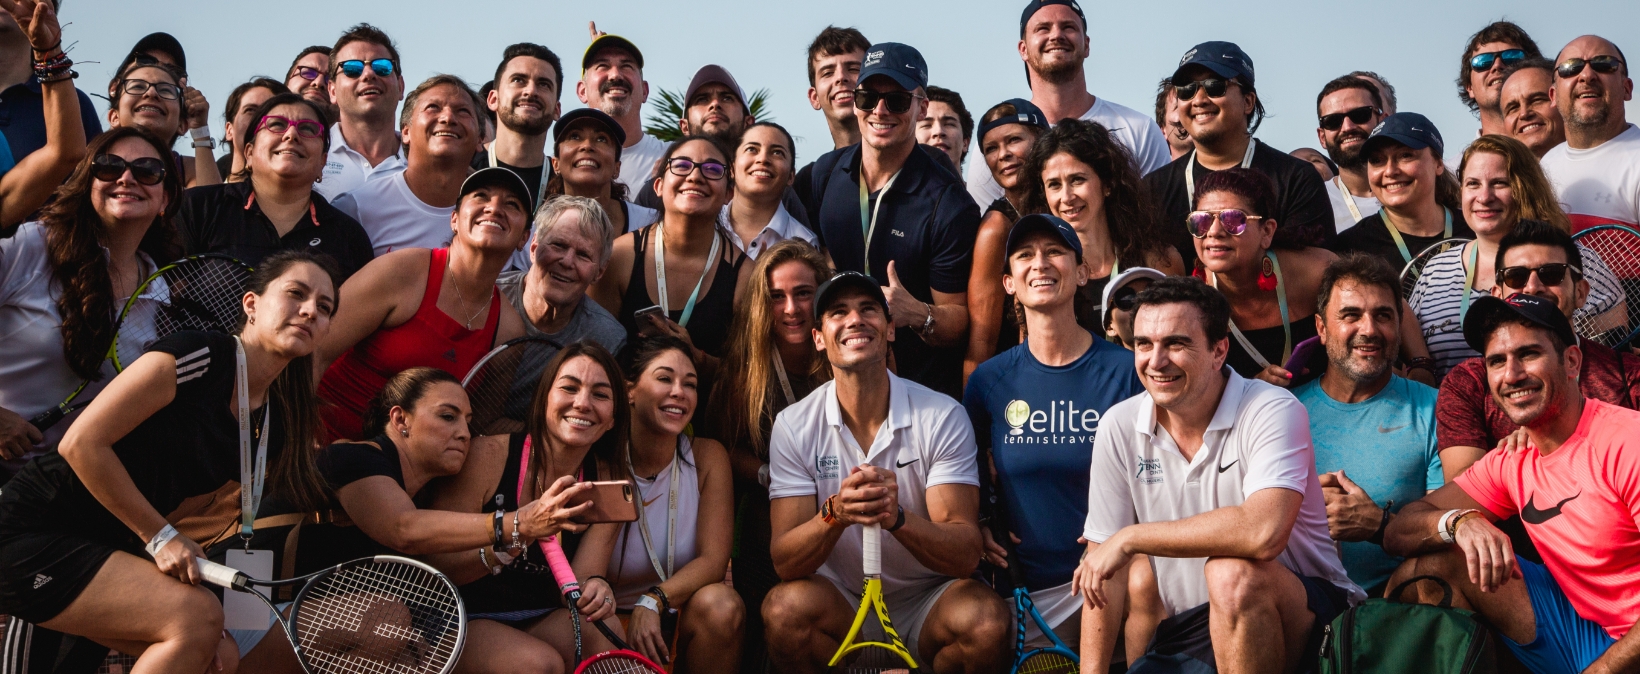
1446	589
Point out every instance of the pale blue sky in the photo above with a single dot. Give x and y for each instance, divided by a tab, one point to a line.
969	44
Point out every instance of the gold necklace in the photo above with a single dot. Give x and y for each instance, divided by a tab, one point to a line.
462	301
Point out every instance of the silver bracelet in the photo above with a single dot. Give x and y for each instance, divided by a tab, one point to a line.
160	539
517	544
484	558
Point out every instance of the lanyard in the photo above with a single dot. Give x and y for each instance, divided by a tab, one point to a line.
1286	324
671	518
660	273
250	482
1469	279
1395	233
785	384
868	215
1349	199
1190	172
540	190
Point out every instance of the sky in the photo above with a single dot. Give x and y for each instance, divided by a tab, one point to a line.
970	45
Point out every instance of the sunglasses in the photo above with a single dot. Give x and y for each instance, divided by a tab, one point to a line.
1604	65
1483	62
355	67
712	170
164	90
1360	116
145	59
1216	88
109	168
1550	274
305	128
1125	299
309	74
1234	221
898	101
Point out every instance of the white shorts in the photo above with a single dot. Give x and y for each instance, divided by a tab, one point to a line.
908	610
1056	605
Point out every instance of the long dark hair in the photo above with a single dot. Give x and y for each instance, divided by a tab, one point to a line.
295	474
1129	214
609	450
75	235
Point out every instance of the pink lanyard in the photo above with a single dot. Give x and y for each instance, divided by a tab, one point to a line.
523	476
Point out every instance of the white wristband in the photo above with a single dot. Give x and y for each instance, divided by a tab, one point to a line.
159	540
201	132
648	602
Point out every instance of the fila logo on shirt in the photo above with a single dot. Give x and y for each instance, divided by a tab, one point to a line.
1061	423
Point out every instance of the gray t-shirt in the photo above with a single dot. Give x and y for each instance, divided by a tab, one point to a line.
590	321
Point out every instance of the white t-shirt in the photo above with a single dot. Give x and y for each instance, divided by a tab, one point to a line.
1341	199
926	442
346	169
639	217
638	163
1600	185
1259	438
394	217
1134	130
781	227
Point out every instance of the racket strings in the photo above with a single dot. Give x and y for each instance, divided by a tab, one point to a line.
501	388
1415	269
615	663
379	617
872	659
1618	251
1047	662
203	293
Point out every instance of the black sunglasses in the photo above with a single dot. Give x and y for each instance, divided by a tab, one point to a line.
1483	62
1126	298
898	101
109	168
146	59
1216	88
1550	274
1360	116
1604	65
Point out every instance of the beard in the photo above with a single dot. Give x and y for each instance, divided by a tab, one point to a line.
1346	158
611	107
1360	370
1592	119
521	125
1056	72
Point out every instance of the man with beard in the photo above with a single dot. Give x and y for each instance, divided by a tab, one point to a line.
612	81
1597	171
1575	483
1167	117
1348	108
366	85
1480	77
1053	43
1374	432
1529	113
525	102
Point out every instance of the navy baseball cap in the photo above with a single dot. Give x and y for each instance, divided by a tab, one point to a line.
1025	112
1485	313
1034	6
497	176
1042	222
901	63
595	115
846	280
1223	58
1407	128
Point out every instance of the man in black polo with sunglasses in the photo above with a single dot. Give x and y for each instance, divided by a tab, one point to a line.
366	84
1220	110
1347	110
1596	172
883	208
1480	76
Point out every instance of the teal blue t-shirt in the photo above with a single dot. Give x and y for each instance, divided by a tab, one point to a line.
1385	444
6	160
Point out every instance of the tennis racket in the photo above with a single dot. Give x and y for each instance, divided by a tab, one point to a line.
376	614
622	660
1053	659
856	655
201	292
1617	249
1415	269
502	384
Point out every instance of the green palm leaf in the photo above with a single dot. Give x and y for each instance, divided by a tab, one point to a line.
667	108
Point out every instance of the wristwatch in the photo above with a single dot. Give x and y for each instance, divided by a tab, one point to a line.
928	323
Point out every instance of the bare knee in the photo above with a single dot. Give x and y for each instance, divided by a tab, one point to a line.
192	616
716	610
1233	584
792	605
974	615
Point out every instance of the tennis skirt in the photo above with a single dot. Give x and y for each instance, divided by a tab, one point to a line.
41	573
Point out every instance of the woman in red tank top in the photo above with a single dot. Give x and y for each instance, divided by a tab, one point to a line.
418	307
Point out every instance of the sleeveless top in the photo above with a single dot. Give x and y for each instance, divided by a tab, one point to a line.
1008	332
1269	342
714	311
631	571
430	338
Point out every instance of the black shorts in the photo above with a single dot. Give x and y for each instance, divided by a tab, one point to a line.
1183	643
41	573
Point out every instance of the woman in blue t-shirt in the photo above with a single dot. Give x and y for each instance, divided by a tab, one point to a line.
1042	402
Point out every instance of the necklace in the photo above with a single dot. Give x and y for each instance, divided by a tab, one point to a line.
462	301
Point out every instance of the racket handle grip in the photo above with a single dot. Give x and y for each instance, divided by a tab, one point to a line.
561	569
871	544
217	574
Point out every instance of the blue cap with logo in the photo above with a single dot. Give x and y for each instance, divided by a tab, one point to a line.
1034	6
1025	112
900	62
1407	128
1225	59
1042	222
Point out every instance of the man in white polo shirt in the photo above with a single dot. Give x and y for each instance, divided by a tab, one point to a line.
367	83
1212	476
917	478
1596	172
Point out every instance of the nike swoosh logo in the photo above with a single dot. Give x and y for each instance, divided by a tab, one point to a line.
1381	428
1225	468
902	465
1532	515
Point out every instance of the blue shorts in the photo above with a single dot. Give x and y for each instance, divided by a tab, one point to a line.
1566	643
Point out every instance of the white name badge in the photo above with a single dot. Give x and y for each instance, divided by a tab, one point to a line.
240	610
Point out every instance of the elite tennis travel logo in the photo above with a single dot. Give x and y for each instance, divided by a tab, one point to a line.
1061	423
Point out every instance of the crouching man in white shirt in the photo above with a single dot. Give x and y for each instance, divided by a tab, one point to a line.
1212	476
870	447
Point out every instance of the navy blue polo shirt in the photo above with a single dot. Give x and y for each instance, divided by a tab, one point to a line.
926	226
226	219
23	118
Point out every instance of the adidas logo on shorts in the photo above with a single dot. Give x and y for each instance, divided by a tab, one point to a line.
40	580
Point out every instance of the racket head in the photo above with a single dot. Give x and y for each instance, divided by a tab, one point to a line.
856	654
501	386
1055	660
1618	249
378	614
1415	269
619	662
199	292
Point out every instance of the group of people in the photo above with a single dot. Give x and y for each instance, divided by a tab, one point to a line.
1171	372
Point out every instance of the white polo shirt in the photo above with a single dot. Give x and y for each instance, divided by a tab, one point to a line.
1134	130
1599	185
1259	438
781	227
346	169
394	217
926	442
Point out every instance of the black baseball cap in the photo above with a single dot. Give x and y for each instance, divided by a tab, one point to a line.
497	176
847	280
1034	6
901	63
1025	112
610	40
1042	222
1486	311
1407	128
160	42
1223	58
570	118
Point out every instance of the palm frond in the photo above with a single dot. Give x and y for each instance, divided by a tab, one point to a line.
759	106
665	112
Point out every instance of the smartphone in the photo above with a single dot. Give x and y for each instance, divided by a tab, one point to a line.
611	502
1302	355
639	315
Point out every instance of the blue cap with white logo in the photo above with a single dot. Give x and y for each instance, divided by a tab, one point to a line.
1223	58
900	62
1407	128
1025	112
1042	222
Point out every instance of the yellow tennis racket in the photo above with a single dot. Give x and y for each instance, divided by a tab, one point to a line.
856	655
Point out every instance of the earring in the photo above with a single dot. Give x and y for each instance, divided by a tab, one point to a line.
1267	276
251	320
404	432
